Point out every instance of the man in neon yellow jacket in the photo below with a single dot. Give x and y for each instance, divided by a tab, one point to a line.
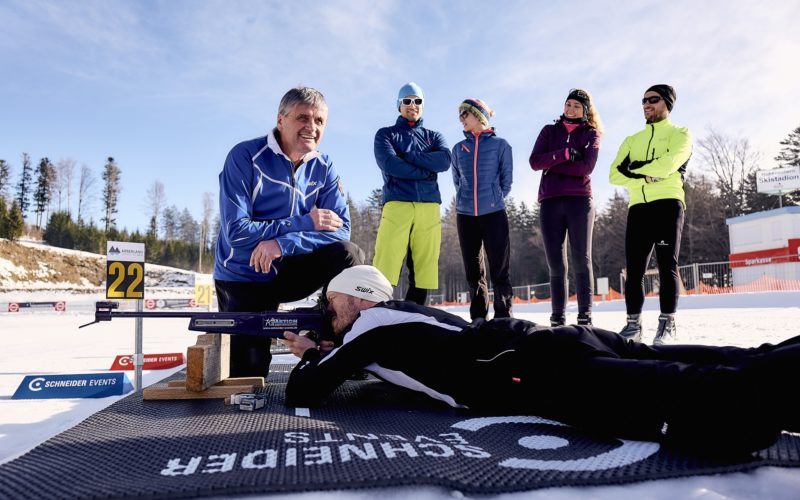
651	165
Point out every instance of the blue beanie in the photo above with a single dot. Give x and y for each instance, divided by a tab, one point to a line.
408	89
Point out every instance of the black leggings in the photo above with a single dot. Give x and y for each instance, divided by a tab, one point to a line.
656	224
298	277
490	232
573	215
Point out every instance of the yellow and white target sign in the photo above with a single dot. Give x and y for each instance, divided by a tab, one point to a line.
124	270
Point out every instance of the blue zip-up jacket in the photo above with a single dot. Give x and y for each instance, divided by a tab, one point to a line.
409	157
482	172
262	197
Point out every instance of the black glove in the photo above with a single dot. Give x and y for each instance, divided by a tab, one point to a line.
575	155
624	169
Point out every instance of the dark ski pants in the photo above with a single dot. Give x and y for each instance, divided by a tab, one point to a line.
558	217
656	224
490	233
710	400
299	277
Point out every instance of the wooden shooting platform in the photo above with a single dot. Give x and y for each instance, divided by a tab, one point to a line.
207	373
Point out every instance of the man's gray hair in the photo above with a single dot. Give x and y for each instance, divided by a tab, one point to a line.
302	95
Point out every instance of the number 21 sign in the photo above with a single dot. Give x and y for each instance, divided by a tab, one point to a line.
124	270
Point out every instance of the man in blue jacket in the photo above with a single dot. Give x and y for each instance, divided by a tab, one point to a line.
284	222
410	157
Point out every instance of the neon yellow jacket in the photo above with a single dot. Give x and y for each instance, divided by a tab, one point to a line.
667	149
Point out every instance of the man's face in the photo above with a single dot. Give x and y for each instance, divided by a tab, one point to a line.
301	130
412	111
654	112
343	310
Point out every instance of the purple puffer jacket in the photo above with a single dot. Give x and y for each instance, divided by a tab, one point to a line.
561	177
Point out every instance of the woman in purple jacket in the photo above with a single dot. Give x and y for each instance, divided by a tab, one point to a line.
566	153
482	174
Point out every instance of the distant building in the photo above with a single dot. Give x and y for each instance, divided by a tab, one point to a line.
766	246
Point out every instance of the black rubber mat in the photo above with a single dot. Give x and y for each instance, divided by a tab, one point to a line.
371	435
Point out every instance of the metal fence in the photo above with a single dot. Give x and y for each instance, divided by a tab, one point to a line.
751	275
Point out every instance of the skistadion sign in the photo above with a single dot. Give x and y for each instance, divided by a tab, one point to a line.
778	180
81	385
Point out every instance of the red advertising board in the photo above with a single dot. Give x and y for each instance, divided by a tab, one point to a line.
151	361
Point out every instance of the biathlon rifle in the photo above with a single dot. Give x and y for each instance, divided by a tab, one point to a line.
262	324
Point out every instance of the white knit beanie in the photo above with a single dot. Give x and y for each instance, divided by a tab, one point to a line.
364	282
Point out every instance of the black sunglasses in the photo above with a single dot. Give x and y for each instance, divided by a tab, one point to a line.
463	115
653	99
407	101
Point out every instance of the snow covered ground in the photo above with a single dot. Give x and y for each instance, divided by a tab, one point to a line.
46	342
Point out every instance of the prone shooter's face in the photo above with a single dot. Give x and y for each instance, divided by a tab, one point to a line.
342	310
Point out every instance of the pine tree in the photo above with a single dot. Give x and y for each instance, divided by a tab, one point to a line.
789	156
15	222
24	185
3	217
5	176
44	184
111	189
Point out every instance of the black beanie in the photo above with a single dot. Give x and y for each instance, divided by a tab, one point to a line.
582	97
666	92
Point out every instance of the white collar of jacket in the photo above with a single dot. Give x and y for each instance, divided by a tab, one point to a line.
274	145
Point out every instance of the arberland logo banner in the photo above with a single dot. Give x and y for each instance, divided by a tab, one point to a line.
364	289
121	250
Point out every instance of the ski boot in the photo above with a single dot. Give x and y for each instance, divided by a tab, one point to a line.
585	319
558	320
633	330
666	332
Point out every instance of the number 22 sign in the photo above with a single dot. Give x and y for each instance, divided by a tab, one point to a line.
124	270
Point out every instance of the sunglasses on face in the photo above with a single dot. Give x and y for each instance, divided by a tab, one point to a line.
653	99
463	115
407	101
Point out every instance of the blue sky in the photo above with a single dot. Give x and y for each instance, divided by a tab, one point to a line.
168	87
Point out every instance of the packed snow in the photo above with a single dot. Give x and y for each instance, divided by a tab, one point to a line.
42	341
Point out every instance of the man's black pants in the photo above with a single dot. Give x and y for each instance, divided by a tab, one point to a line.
298	277
656	224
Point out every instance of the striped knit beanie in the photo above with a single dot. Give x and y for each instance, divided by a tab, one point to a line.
479	108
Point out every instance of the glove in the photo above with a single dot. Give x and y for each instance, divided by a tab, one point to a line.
624	169
574	155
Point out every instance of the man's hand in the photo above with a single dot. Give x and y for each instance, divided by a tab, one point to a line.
263	255
325	220
298	344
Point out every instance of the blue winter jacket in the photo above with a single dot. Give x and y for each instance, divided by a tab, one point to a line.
409	157
262	197
482	172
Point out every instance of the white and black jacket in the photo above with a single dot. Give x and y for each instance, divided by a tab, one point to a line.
420	348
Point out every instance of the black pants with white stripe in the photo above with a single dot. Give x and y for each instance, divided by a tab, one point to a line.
299	277
656	224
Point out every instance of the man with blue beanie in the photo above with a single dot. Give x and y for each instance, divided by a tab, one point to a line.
410	157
